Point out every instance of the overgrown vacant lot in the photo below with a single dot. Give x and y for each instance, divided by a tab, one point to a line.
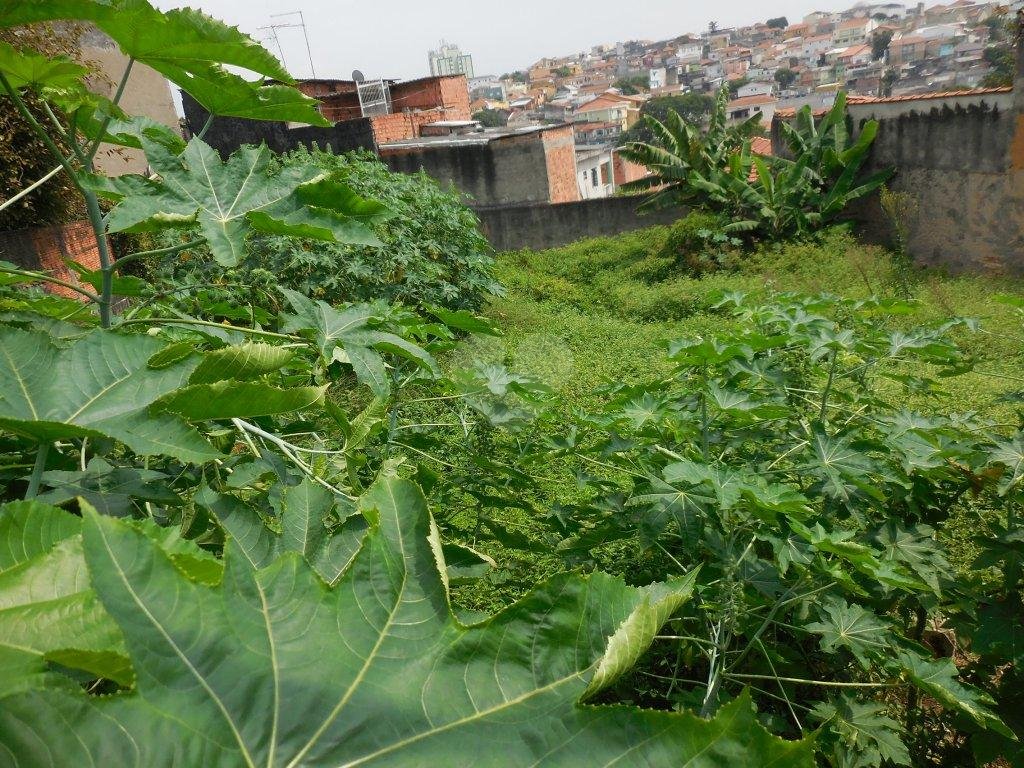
604	311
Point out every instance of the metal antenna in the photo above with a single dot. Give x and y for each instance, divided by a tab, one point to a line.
305	34
277	42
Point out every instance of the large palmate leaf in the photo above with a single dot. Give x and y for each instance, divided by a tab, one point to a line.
188	48
99	386
228	200
303	511
349	336
273	668
47	610
850	626
940	679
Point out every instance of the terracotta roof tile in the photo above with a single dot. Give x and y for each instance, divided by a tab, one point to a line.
761	145
925	96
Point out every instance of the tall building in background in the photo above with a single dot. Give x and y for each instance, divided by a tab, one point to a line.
449	60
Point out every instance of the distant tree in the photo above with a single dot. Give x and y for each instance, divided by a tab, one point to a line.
785	77
630	86
735	85
491	118
880	43
516	77
780	22
888	79
712	27
563	72
1000	57
692	107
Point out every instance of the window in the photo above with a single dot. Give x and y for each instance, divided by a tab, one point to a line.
593	177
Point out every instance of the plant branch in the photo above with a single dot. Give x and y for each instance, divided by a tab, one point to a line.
94	148
46	278
802	681
30	189
209	324
158	252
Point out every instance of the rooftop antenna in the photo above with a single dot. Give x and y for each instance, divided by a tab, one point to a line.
277	42
276	25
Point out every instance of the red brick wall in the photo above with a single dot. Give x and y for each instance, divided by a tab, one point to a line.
451	93
404	125
560	155
625	170
46	248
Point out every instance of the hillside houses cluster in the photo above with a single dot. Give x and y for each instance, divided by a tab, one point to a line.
876	49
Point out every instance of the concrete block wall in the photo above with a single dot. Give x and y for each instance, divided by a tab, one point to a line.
538	226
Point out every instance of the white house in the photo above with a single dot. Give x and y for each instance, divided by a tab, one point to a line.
656	78
687	52
595	174
755	89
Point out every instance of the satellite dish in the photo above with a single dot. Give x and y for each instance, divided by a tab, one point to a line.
358	76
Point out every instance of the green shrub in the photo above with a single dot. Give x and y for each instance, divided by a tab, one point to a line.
432	251
699	244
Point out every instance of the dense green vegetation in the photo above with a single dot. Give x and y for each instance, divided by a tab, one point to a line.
292	502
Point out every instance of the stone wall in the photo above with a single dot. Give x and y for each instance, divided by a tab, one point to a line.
539	226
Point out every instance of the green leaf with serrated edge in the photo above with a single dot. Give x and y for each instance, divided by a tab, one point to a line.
24	69
463	320
940	679
374	672
864	730
47	609
187	47
99	386
851	627
229	199
302	513
1010	454
238	400
241	362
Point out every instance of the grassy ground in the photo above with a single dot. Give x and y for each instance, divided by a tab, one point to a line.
603	310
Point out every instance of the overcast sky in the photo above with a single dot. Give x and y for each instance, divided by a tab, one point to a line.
391	39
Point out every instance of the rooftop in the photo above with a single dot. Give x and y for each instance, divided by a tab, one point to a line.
478	138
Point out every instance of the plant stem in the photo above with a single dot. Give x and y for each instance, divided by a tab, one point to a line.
158	252
30	189
94	148
205	128
828	386
209	324
24	111
46	278
92	205
37	471
802	681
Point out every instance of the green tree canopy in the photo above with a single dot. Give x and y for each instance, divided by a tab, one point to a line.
692	107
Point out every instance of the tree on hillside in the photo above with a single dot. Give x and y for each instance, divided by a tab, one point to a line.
630	86
1003	62
735	85
712	27
516	77
491	118
563	72
780	22
785	77
880	43
692	107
